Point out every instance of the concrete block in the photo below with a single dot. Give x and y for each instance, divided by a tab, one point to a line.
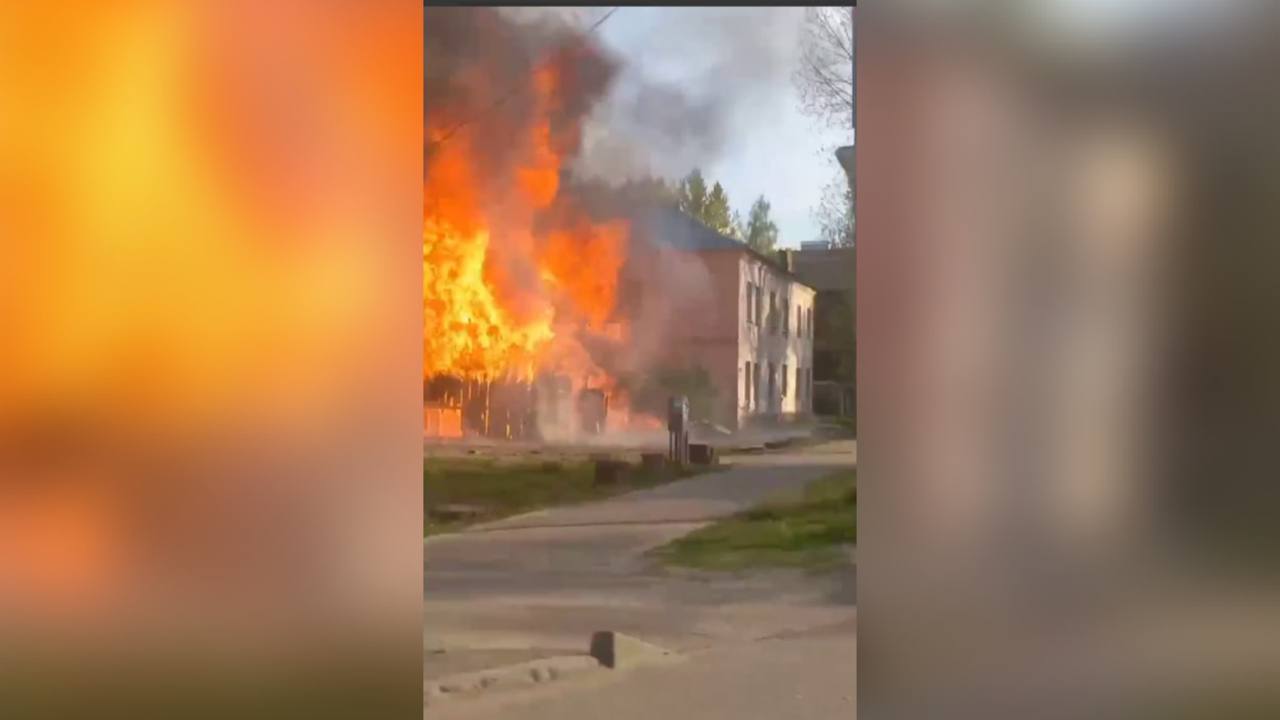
611	472
615	650
653	462
702	454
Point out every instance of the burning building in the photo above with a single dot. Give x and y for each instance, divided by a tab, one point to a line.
519	280
555	307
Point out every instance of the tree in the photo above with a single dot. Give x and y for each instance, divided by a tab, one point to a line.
825	76
717	215
691	194
825	80
835	214
738	231
647	190
760	233
710	208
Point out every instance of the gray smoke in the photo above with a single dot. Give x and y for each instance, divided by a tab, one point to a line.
690	75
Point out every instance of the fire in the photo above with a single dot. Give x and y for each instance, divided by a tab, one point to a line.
514	272
469	333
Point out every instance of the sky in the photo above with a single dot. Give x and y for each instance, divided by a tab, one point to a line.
733	67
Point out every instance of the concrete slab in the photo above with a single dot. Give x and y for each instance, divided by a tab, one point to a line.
617	650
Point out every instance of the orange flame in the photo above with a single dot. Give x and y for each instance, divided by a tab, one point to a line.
503	295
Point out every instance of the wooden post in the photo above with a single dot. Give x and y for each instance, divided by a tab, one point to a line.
488	395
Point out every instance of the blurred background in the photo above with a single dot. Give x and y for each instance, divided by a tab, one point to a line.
1067	360
210	221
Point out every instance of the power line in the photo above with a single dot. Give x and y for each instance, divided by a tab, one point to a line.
515	89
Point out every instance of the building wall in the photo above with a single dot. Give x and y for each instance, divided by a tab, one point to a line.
723	357
833	272
692	295
715	330
769	339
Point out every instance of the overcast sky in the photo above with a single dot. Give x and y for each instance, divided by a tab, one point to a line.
734	65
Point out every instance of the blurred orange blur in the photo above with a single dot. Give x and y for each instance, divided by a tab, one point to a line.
210	381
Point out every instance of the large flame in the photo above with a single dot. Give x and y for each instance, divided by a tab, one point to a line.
514	273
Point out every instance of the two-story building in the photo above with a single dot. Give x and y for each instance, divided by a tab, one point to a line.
750	326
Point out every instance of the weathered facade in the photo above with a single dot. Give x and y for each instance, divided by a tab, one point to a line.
832	273
751	329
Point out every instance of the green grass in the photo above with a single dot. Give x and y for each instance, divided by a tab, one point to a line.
810	532
505	488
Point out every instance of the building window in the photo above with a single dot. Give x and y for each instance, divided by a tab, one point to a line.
801	405
755	386
799	321
773	312
773	386
786	317
746	386
809	321
784	381
751	303
757	303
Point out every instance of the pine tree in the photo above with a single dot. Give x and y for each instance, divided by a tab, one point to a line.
761	232
717	215
691	194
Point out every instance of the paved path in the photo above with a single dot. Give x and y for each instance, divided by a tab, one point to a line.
543	582
803	676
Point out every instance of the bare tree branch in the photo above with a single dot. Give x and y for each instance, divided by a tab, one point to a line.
824	77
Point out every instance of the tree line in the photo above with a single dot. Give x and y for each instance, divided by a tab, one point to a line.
826	83
711	207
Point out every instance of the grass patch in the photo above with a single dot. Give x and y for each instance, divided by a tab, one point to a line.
492	489
806	532
845	426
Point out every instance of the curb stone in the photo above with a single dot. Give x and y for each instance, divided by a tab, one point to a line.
525	674
609	650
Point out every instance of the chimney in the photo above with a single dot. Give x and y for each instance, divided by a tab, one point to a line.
787	259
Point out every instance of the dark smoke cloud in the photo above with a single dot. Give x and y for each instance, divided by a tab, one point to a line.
479	68
703	72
